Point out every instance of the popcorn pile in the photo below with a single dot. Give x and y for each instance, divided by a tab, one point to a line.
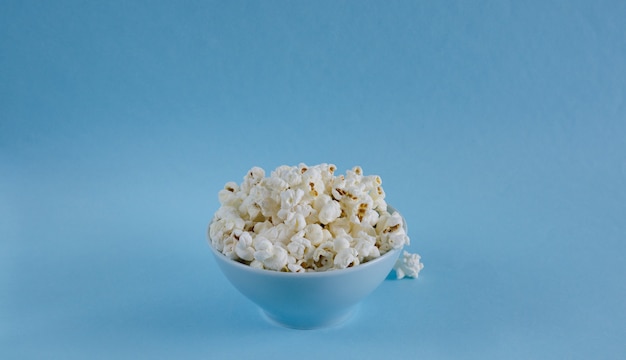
305	218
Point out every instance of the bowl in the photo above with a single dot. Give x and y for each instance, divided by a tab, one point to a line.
312	299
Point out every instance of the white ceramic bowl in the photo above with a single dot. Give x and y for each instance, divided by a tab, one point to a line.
307	300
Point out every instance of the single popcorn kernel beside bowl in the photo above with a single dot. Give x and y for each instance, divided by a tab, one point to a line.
305	245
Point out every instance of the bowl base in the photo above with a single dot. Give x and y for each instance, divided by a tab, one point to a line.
309	324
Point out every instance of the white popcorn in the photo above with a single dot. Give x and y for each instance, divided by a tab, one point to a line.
398	239
299	247
228	195
304	218
278	260
294	266
340	226
256	264
288	200
296	222
366	246
345	258
391	231
261	227
337	187
408	265
330	212
244	248
292	175
314	233
272	256
263	245
341	242
323	256
253	177
277	234
229	245
320	201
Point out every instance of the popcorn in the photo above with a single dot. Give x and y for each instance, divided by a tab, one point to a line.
365	246
345	258
299	246
272	256
304	218
391	231
329	212
244	248
314	233
408	265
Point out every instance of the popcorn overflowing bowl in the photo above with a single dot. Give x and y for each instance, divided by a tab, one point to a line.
305	245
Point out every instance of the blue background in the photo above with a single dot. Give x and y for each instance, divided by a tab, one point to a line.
498	128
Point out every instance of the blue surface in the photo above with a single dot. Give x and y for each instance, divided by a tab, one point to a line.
498	128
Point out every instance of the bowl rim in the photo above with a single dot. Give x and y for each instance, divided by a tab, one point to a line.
329	272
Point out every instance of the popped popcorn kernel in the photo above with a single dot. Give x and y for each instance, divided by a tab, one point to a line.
305	218
408	265
346	258
330	212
